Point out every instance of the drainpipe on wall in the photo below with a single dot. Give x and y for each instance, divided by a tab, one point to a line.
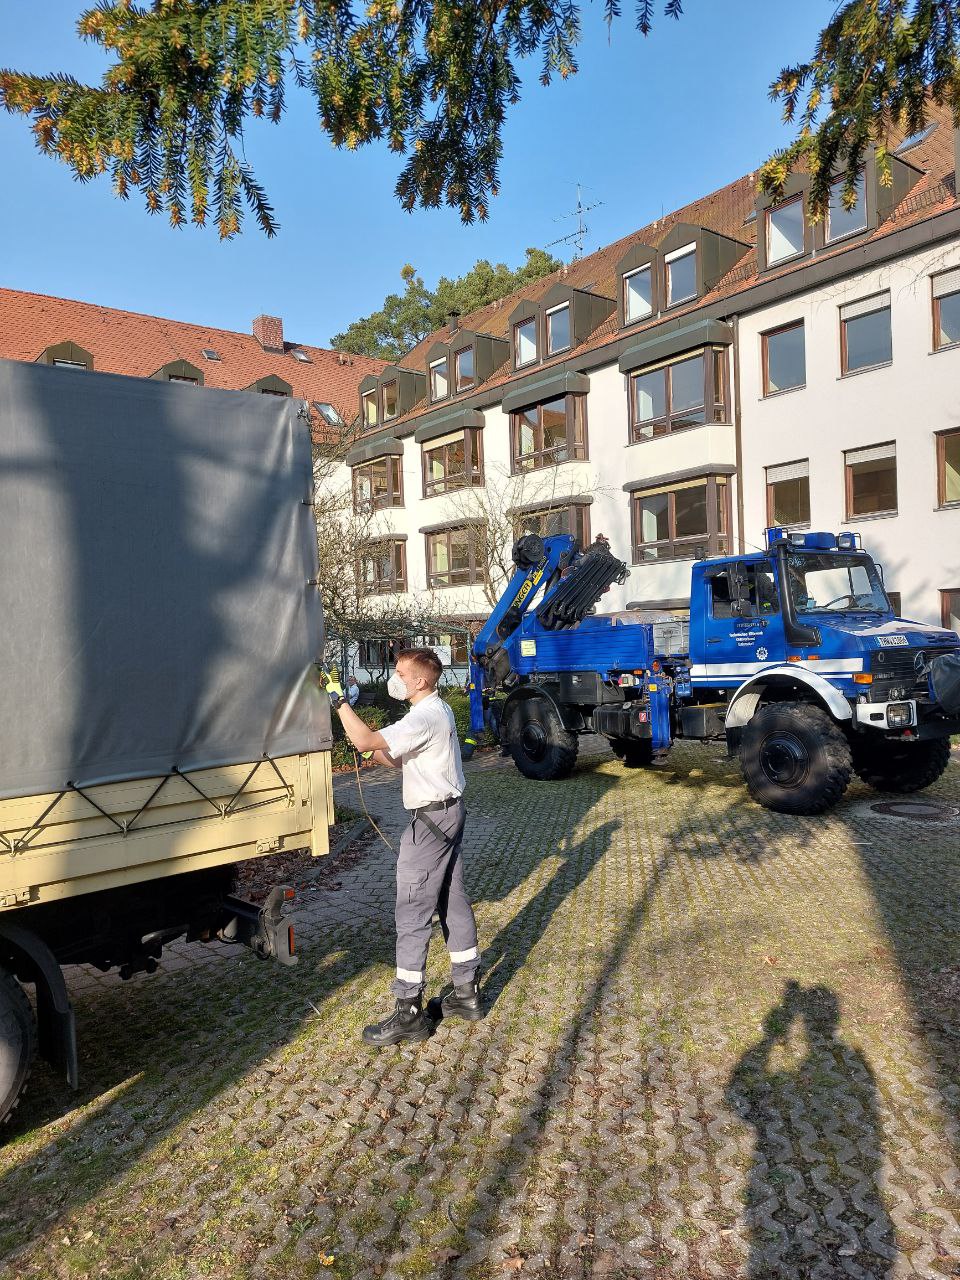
737	433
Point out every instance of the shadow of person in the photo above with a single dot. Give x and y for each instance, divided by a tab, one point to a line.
812	1201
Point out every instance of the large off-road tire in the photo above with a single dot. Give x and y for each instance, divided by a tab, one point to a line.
902	767
540	746
794	758
18	1042
636	753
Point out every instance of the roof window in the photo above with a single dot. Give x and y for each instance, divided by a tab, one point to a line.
915	139
328	413
300	355
208	353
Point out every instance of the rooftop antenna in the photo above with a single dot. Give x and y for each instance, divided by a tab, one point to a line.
576	238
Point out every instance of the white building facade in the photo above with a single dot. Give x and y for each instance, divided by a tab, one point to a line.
733	366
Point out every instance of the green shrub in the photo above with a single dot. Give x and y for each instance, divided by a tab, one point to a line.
342	754
459	702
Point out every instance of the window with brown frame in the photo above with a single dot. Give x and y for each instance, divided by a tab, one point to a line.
788	494
784	358
458	642
377	653
572	518
452	559
378	484
439	379
389	401
453	463
547	434
686	392
558	329
368	408
681	522
948	468
950	608
784	230
871	480
383	567
946	309
865	337
464	374
524	342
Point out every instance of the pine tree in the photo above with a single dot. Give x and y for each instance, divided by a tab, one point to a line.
434	80
405	318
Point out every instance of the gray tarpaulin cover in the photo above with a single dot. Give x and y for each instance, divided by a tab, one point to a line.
155	555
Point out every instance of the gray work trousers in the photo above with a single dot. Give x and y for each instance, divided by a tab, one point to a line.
430	879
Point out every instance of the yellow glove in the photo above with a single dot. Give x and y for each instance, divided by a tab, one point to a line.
334	689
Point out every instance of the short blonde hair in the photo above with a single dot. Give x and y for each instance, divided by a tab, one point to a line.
424	663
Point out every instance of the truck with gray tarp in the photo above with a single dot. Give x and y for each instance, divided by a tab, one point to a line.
160	719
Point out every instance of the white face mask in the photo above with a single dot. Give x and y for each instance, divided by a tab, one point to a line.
396	687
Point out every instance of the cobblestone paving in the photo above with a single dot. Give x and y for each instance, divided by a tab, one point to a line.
721	1042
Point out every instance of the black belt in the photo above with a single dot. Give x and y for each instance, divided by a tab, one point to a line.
424	809
435	805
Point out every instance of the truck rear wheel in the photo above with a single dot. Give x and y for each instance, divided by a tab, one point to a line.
900	766
541	747
636	753
18	1042
794	758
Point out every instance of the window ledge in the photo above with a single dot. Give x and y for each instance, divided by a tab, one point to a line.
948	506
874	515
847	235
784	391
867	368
782	262
680	431
945	346
659	563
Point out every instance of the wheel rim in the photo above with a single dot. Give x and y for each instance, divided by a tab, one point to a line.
784	759
533	740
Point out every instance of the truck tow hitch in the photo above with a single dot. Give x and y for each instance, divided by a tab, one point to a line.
263	929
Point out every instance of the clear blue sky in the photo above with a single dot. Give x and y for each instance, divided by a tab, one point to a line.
646	125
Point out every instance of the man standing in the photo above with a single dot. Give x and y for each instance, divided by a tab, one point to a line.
429	866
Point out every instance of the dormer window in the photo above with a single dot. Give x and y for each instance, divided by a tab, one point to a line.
637	295
681	270
525	342
369	408
390	400
463	368
558	329
439	379
784	230
842	221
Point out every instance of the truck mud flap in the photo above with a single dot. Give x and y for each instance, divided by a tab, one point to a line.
264	929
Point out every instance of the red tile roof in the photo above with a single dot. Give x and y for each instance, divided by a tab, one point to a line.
138	345
727	211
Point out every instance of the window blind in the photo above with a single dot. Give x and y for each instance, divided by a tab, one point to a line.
864	307
789	471
946	282
874	454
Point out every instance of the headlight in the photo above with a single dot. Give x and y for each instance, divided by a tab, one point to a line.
899	715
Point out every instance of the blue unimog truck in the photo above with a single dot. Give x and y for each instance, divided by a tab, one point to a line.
792	655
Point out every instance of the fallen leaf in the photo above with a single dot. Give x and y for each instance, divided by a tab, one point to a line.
327	1259
513	1264
770	960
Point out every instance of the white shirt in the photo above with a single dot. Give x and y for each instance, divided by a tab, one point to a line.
425	743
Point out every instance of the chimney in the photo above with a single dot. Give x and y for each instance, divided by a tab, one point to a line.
453	319
268	331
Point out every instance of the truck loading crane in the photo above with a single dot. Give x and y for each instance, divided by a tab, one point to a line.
792	655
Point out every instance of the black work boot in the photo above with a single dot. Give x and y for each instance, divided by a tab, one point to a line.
407	1022
457	1002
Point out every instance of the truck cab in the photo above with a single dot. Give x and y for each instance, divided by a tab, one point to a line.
813	609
